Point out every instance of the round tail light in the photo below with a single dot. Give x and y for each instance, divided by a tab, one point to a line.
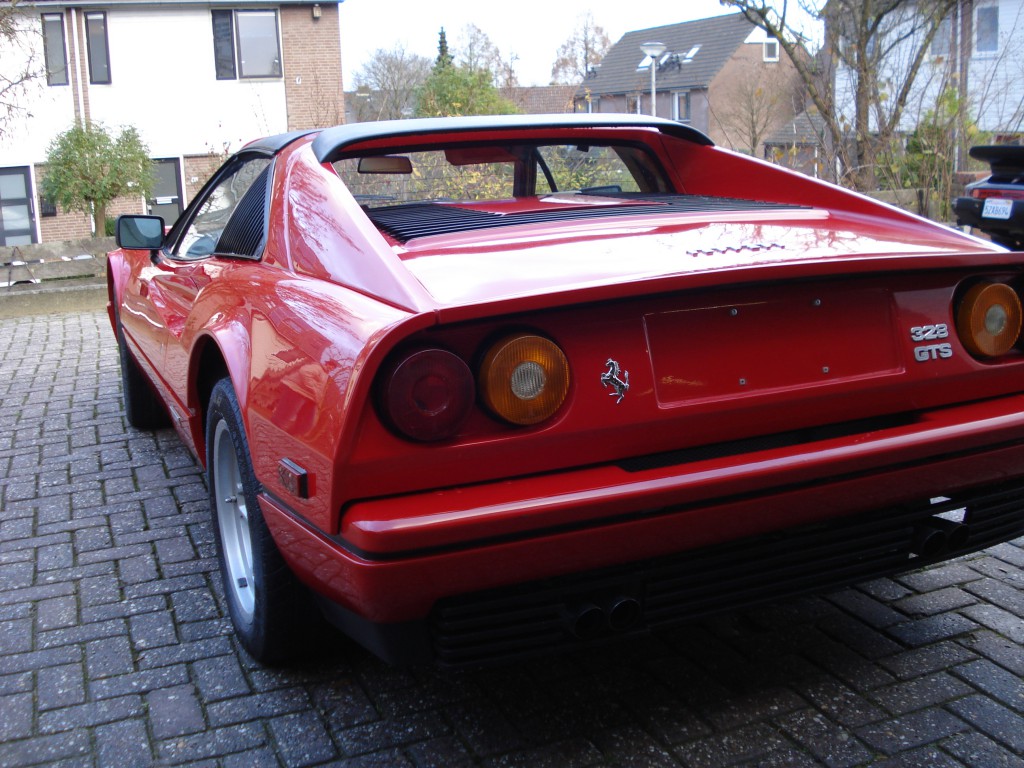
988	320
524	379
428	395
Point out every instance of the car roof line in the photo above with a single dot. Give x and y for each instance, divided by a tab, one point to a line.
274	144
332	142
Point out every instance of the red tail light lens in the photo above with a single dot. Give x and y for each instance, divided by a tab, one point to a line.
1008	194
428	395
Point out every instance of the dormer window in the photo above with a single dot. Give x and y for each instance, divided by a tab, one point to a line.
645	63
691	53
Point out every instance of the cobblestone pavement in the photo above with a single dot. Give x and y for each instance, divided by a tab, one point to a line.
115	649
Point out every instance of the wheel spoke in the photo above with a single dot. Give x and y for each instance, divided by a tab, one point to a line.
233	519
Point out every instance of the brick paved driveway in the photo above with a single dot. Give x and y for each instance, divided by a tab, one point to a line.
115	650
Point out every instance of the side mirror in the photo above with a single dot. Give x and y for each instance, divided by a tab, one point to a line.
144	233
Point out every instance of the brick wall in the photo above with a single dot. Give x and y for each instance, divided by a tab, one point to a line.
200	168
65	226
312	66
83	67
736	98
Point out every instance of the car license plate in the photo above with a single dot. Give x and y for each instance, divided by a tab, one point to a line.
997	209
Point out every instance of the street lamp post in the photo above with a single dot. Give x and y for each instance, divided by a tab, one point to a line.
653	51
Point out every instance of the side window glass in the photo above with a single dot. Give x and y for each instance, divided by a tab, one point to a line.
588	168
230	217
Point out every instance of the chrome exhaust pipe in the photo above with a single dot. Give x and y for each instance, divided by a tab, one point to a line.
936	535
929	540
623	612
586	621
956	533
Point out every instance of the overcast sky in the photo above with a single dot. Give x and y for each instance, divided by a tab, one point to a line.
531	30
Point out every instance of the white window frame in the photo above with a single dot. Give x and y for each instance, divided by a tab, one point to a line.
236	45
55	76
677	113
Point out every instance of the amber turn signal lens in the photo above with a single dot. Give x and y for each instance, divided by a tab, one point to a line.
524	379
989	319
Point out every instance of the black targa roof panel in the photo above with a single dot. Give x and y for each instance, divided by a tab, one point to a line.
331	144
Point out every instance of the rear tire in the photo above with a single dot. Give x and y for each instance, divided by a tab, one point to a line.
142	408
267	605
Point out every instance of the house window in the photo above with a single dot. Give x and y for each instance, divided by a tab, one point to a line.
47	208
771	50
99	53
54	50
987	29
682	107
633	103
942	42
245	44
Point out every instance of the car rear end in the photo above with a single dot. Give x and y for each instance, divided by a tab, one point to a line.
620	463
995	205
626	411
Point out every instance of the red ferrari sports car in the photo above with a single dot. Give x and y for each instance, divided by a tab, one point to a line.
481	388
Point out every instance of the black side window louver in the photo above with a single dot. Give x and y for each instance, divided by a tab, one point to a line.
246	230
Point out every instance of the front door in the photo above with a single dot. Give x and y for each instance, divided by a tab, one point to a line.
17	220
166	199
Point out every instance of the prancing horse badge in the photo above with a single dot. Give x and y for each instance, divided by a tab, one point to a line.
611	378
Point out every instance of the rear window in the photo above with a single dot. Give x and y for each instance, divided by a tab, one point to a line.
484	173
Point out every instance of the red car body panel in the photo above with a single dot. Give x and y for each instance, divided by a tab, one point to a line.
778	372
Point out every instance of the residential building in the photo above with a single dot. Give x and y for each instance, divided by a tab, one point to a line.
196	79
541	99
363	105
799	144
722	75
975	53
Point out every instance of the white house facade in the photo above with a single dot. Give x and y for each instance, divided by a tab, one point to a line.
197	80
978	50
996	76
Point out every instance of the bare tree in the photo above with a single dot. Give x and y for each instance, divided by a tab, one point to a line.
584	49
477	53
386	85
756	102
874	50
20	62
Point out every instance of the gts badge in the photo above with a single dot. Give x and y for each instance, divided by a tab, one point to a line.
925	352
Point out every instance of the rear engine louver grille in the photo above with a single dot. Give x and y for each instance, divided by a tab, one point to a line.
538	618
406	222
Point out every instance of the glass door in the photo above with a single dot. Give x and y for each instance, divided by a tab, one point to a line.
166	199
